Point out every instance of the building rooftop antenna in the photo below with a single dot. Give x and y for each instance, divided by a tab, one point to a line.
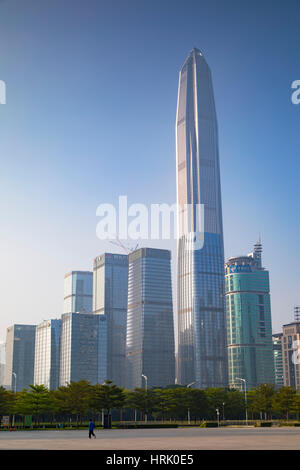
297	312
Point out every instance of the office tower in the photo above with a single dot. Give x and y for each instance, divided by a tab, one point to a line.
110	290
83	348
150	330
19	351
291	354
202	353
47	354
2	375
277	355
78	292
2	364
249	326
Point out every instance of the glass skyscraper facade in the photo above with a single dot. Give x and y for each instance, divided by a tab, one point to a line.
78	292
249	325
278	364
47	354
83	351
202	352
19	352
110	299
150	329
291	354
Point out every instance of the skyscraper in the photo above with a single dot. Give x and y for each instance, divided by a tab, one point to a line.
249	325
2	364
83	348
110	289
202	353
47	354
291	354
19	352
150	330
78	292
278	364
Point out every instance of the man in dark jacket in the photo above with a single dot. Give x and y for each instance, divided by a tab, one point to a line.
91	429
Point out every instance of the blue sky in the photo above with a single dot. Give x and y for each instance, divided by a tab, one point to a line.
90	115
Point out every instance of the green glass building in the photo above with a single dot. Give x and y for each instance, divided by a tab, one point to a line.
249	325
278	363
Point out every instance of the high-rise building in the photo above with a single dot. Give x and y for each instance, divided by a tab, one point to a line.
19	352
2	375
110	290
150	330
47	354
83	348
278	364
202	353
2	364
249	325
78	292
291	354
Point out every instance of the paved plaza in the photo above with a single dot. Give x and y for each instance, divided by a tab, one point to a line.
285	438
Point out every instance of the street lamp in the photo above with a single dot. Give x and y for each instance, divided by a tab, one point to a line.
15	377
218	416
102	411
223	411
244	381
146	382
189	417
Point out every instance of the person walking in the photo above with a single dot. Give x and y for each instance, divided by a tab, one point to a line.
91	429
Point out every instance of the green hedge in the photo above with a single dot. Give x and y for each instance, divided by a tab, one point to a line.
145	426
209	424
263	424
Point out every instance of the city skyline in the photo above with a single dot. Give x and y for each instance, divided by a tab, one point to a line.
49	196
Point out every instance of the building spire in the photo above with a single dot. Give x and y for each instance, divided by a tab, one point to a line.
257	252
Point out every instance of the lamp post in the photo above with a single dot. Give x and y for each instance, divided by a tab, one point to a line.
245	384
146	380
218	416
146	388
189	417
223	411
15	377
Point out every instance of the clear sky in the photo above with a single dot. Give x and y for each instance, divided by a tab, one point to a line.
90	115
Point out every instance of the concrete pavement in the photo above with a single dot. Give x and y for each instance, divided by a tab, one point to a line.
285	438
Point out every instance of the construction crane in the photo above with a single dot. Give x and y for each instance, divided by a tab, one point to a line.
127	249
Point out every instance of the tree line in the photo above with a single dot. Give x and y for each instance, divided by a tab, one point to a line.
81	400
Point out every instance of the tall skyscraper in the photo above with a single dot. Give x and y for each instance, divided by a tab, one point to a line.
2	364
83	348
150	330
278	364
47	354
291	354
110	290
78	292
19	352
202	353
249	325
